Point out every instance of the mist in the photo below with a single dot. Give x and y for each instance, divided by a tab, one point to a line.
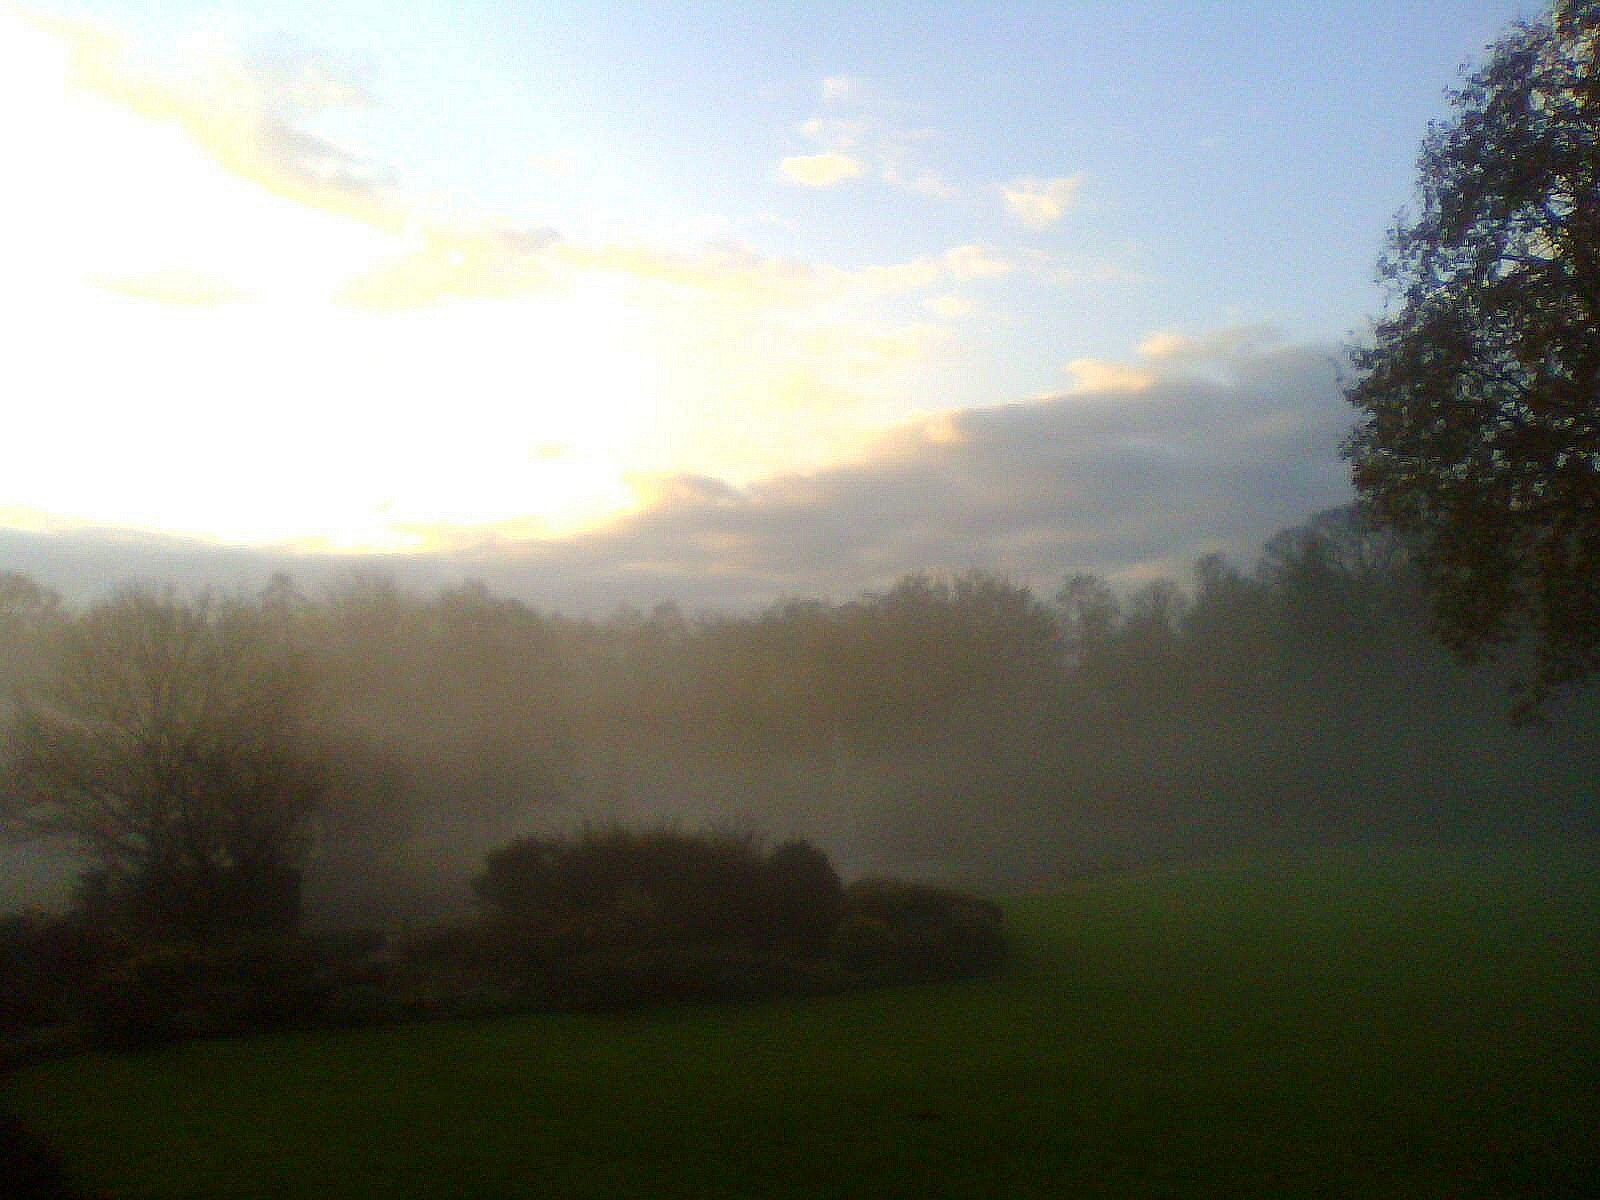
959	728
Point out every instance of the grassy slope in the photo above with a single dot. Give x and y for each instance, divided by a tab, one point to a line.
1420	1025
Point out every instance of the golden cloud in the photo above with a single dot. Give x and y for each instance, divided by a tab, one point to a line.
241	118
1100	375
447	264
820	170
187	289
1220	344
949	306
1040	203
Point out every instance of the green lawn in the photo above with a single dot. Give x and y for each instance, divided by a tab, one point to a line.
1406	1024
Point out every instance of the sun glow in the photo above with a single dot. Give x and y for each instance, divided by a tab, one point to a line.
229	329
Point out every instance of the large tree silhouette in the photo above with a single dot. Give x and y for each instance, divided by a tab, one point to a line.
1480	394
168	739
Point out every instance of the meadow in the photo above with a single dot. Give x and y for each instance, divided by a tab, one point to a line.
1363	1023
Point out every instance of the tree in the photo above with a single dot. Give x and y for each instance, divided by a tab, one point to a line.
1480	396
28	612
168	740
1089	614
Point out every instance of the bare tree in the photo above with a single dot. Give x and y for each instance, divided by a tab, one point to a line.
168	739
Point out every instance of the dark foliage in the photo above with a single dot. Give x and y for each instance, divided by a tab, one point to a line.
803	896
616	917
196	899
166	992
30	1169
72	980
619	887
169	740
47	964
899	930
1480	396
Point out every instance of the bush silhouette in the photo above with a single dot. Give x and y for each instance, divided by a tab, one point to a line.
916	931
617	887
804	895
614	917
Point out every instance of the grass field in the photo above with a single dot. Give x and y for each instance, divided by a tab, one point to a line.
1363	1024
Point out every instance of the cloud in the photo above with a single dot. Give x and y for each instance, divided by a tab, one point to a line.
1170	346
247	116
1126	484
555	166
976	262
1040	203
181	180
837	88
855	139
820	170
412	411
1217	353
924	183
835	133
950	306
444	263
1116	269
184	289
1090	375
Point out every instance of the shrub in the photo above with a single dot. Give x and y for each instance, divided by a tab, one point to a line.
194	905
148	999
47	963
863	943
459	967
163	992
932	932
555	897
804	895
615	917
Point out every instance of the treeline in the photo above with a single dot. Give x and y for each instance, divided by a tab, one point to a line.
958	727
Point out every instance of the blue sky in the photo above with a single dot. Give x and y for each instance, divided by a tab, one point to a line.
576	285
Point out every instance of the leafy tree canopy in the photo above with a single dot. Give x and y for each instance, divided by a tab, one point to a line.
1480	394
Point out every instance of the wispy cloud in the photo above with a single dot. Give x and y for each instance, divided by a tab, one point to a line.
417	363
950	306
189	289
976	262
1041	203
924	183
837	133
456	263
492	261
1094	375
855	138
820	170
1215	354
1171	346
420	365
1125	484
836	88
248	116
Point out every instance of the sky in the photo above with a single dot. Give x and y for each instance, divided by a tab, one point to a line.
711	302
